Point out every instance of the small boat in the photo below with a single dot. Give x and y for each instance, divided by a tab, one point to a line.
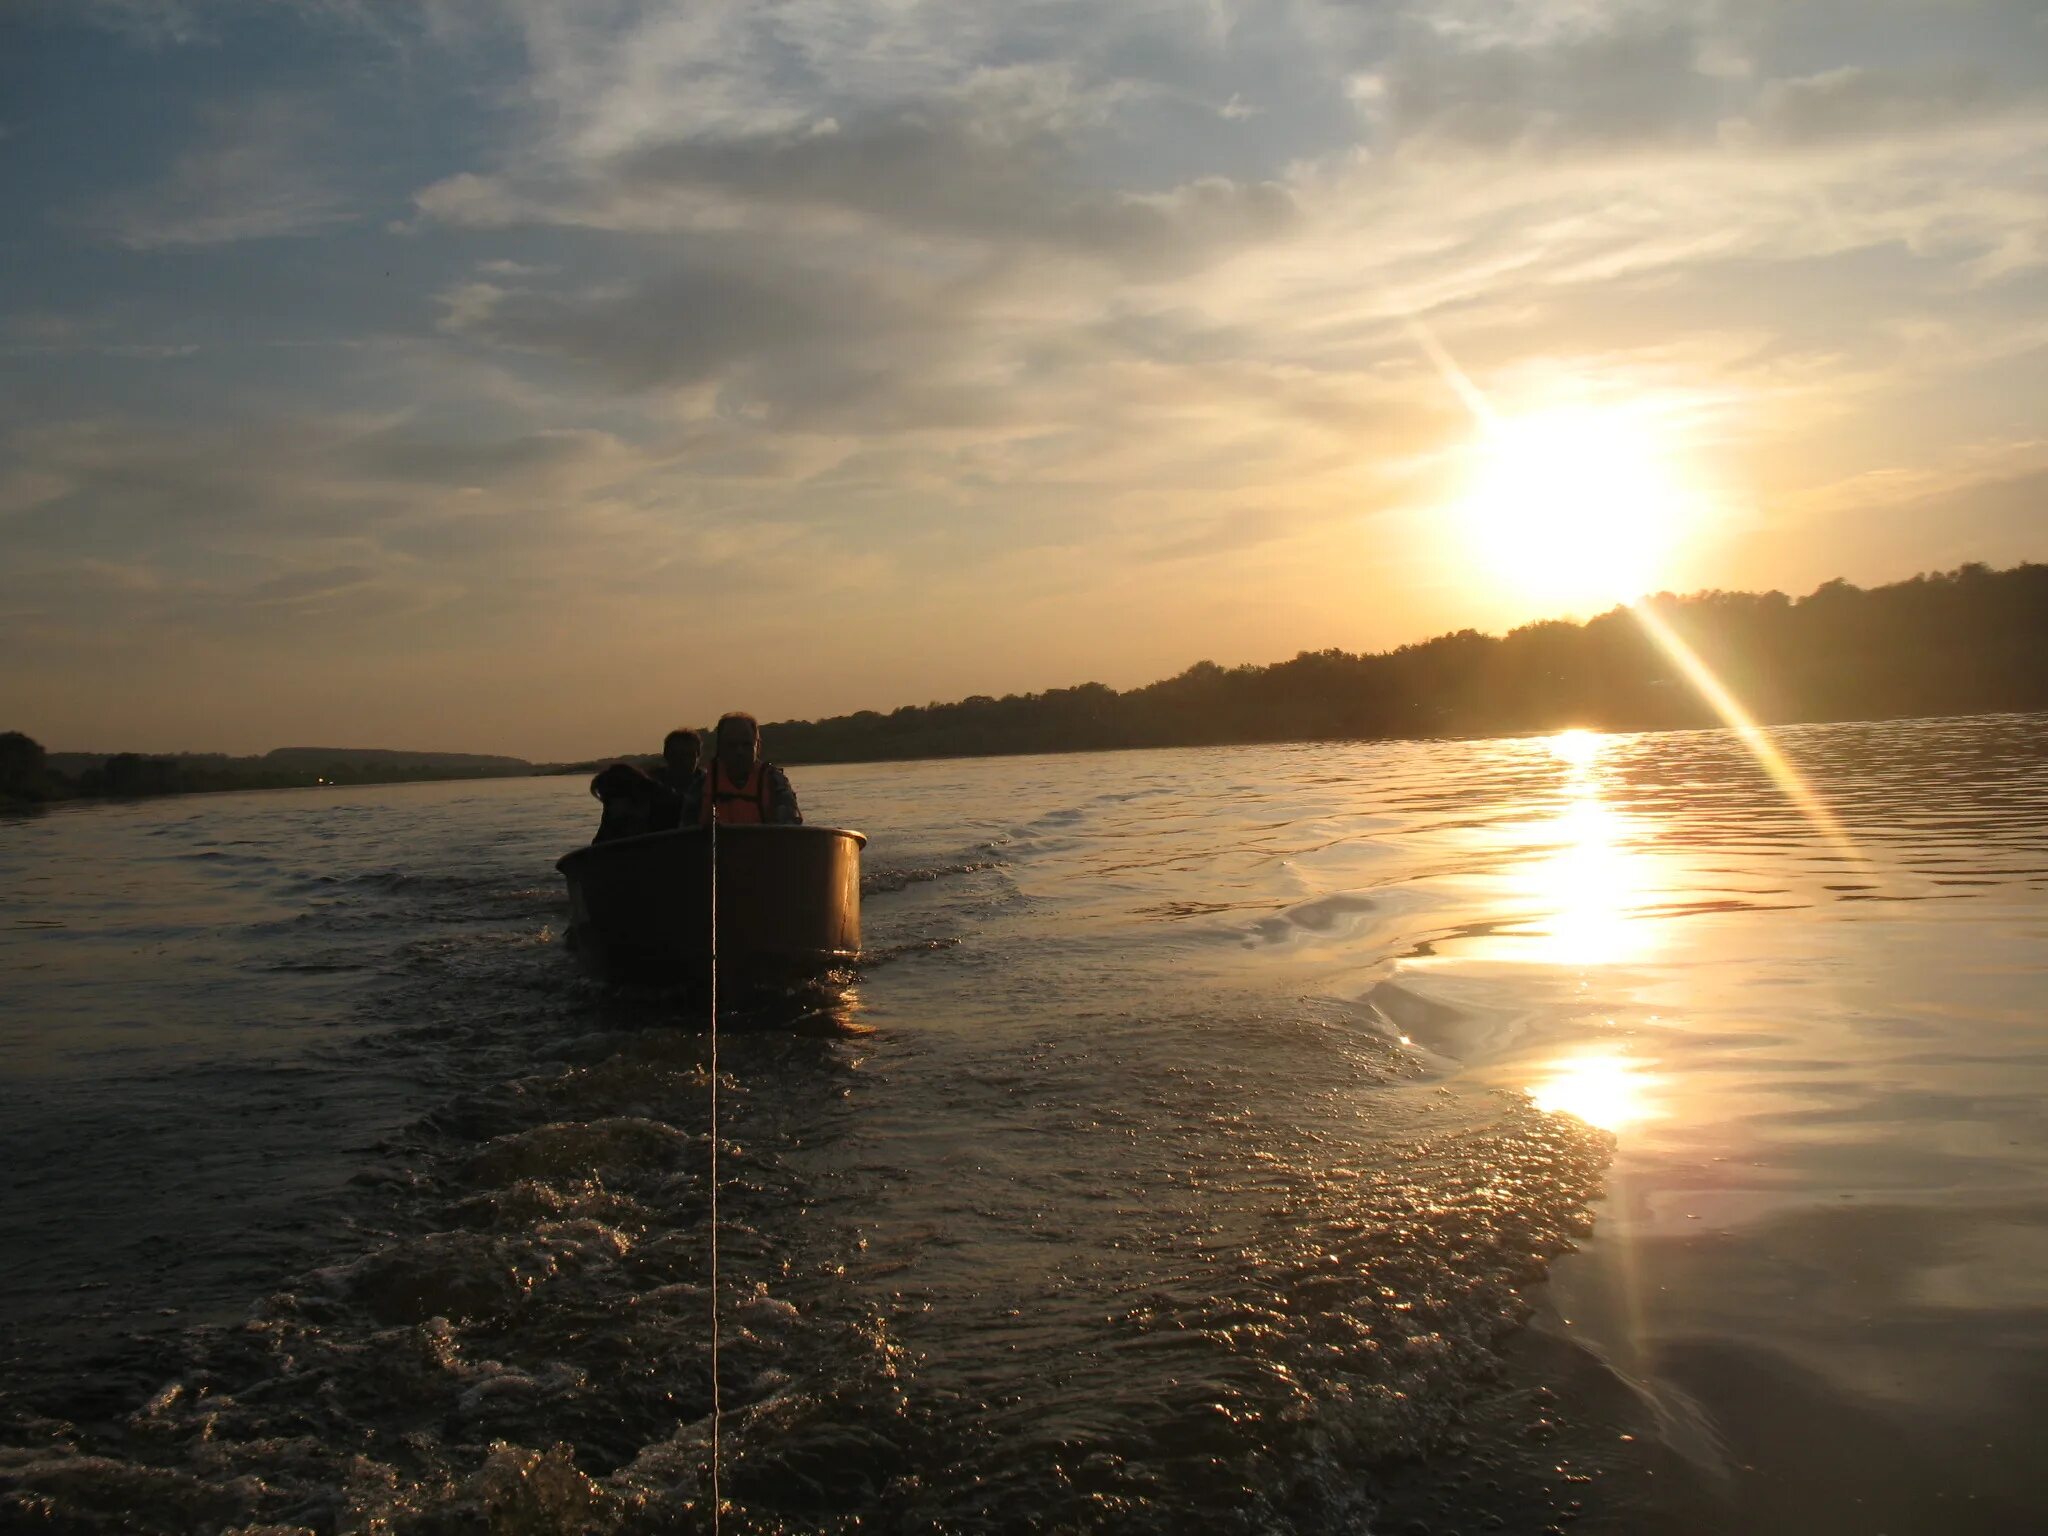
788	903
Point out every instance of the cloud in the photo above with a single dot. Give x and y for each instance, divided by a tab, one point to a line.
1231	532
305	589
770	329
253	175
981	164
161	24
938	200
150	23
1619	81
1630	77
350	519
49	334
999	173
1855	102
534	461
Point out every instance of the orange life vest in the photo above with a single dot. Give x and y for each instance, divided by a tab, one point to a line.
746	806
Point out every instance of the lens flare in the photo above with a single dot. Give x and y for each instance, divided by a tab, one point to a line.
1789	780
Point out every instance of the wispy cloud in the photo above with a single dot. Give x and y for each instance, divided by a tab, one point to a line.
255	173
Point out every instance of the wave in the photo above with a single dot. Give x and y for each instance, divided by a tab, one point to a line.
886	880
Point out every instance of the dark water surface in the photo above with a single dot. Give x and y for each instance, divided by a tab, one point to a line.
1518	1135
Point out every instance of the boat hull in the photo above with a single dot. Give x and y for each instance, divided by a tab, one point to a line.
788	902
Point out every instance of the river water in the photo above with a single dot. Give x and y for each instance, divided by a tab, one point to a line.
1554	1134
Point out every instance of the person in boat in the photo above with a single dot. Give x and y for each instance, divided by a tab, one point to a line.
738	788
681	773
635	803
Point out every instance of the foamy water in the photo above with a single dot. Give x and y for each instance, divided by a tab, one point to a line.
1392	1137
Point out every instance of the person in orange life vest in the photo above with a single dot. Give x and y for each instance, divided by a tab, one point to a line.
739	788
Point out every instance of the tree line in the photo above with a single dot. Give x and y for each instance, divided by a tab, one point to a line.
29	775
1968	641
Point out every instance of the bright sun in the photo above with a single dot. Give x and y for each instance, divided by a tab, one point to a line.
1578	507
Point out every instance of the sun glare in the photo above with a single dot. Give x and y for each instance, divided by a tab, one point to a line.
1579	506
1602	1088
1576	747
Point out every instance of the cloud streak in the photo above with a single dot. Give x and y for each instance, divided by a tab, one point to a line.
251	176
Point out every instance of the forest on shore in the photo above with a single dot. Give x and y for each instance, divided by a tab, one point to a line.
1969	641
29	775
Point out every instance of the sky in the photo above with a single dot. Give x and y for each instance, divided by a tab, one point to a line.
529	377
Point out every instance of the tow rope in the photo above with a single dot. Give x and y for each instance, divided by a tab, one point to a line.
717	1400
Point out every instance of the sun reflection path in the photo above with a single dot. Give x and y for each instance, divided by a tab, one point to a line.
1590	884
1603	1088
1591	879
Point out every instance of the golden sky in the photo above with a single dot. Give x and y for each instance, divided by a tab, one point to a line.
526	377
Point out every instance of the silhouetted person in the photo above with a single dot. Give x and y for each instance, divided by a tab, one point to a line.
635	803
681	772
738	788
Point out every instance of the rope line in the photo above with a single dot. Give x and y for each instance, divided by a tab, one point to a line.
717	1401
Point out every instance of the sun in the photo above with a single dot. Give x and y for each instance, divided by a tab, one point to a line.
1579	507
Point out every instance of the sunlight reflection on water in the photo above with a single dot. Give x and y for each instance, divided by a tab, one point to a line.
1603	1088
1591	883
1592	875
1577	747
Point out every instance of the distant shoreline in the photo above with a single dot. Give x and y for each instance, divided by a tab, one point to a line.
11	806
1973	641
29	776
568	770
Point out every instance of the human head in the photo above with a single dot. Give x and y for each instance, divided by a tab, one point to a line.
739	743
682	749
